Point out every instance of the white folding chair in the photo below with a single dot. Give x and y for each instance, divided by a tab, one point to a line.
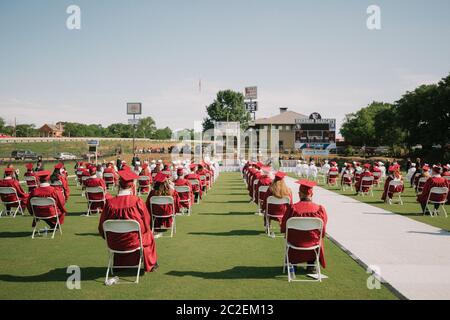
109	180
37	202
195	182
255	183
441	192
31	182
203	181
420	185
94	190
83	185
332	175
267	215
303	224
143	182
163	200
392	187
446	178
15	203
78	177
123	226
376	178
183	190
347	182
366	182
261	190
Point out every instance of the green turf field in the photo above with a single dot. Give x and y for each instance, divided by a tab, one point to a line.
410	208
220	252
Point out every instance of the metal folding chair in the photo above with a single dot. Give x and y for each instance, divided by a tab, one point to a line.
185	190
440	192
37	204
163	200
13	203
268	214
94	190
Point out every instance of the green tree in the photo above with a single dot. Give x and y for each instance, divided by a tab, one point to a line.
2	125
26	130
228	105
162	134
359	128
120	130
146	128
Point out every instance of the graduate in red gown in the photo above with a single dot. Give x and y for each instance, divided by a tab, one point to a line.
30	173
305	208
126	206
110	169
202	171
394	174
45	190
95	181
331	179
58	176
162	187
365	173
264	180
9	181
145	172
194	176
277	189
181	181
436	180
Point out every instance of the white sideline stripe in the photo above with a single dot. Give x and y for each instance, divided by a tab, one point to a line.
413	257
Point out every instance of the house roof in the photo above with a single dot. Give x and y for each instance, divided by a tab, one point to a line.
50	126
287	117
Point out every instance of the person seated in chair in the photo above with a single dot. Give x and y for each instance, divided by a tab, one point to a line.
305	208
196	189
45	190
279	190
58	175
31	173
10	182
181	181
126	206
436	180
265	179
365	173
394	175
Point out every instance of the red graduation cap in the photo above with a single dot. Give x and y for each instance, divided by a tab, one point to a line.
127	175
279	175
192	166
92	170
425	168
367	166
45	174
160	177
306	185
59	165
145	166
180	171
29	166
9	170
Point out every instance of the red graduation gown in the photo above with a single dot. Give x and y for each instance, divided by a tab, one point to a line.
113	172
274	209
305	238
263	181
162	210
97	182
129	207
359	181
145	172
332	179
437	181
195	188
13	183
185	196
50	192
31	174
386	186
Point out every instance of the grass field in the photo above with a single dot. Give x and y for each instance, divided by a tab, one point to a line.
220	252
410	208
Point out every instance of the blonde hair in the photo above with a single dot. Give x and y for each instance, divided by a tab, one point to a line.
163	189
279	189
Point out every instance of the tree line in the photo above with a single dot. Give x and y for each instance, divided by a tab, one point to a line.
419	120
146	128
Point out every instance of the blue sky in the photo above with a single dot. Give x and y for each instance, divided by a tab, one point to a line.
305	55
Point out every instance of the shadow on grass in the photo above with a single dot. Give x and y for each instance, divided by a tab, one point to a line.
239	272
229	233
440	233
60	274
88	234
228	214
18	234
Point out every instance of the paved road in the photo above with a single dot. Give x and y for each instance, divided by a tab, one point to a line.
412	257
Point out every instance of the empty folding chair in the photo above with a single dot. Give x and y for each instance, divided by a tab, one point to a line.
262	190
303	224
275	209
44	209
163	201
195	186
144	184
123	227
96	200
365	186
109	180
437	198
11	202
31	182
394	187
185	196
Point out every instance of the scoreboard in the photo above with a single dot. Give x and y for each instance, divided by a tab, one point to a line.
315	133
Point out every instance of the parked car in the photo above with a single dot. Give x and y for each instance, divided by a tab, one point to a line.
65	156
25	154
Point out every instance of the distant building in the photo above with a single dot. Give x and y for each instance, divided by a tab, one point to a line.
52	130
285	122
